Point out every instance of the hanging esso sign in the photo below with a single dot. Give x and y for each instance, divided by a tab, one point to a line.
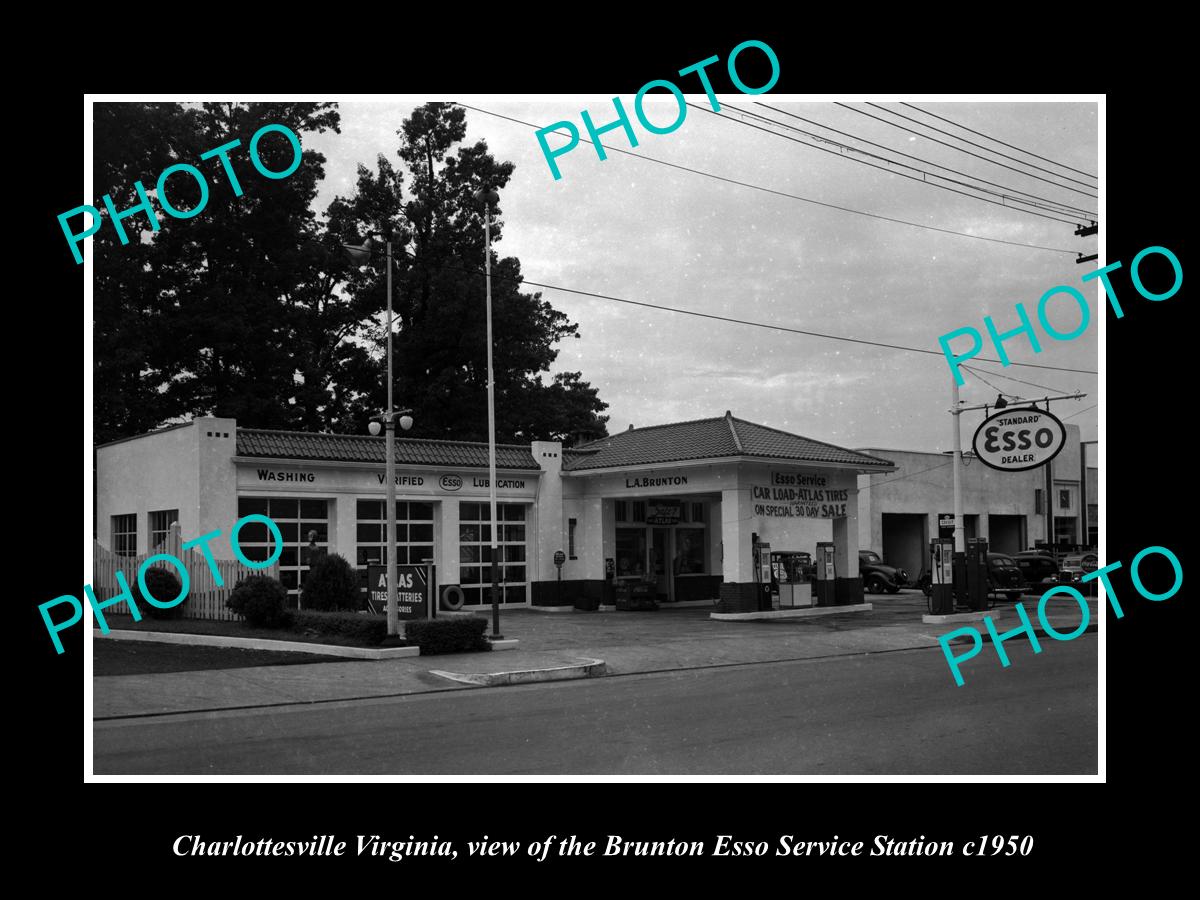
1014	440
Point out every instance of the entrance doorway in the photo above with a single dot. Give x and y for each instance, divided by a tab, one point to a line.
660	557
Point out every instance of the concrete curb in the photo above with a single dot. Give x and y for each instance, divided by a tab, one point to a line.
588	668
504	644
801	613
974	616
551	609
241	643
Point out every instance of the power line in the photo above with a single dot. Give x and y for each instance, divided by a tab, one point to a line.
1081	412
881	168
875	484
1011	378
778	193
979	374
863	112
1062	207
704	315
998	141
989	150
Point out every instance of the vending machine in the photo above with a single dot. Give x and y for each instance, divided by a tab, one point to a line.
941	576
977	573
826	578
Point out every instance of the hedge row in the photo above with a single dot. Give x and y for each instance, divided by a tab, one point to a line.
369	629
459	634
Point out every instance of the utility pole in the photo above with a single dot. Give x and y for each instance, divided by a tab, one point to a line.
1086	231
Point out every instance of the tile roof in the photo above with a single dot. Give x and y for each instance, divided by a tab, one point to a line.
708	439
364	448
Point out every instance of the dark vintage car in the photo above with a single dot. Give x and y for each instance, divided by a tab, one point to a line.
1036	566
1004	577
877	576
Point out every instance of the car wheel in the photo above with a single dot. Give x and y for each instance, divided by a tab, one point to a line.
927	590
875	585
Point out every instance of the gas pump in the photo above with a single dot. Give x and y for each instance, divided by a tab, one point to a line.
762	573
977	573
941	576
825	583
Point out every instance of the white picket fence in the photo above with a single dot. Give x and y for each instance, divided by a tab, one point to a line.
205	599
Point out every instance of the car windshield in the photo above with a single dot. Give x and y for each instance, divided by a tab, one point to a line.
1002	562
870	557
1073	561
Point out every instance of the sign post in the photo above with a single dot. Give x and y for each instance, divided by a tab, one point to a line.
430	589
559	559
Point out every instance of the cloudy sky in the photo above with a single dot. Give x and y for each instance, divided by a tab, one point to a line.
638	230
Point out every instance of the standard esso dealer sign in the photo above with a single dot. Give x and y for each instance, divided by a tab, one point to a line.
1013	440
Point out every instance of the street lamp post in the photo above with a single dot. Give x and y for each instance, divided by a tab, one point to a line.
488	197
361	254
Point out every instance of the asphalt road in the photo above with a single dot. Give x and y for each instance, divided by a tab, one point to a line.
886	713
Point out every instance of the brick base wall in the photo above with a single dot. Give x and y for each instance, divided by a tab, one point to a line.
545	593
739	597
697	587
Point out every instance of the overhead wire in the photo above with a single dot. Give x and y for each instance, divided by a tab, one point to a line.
1010	191
779	193
733	320
998	141
978	374
863	112
912	474
864	162
1011	378
1082	411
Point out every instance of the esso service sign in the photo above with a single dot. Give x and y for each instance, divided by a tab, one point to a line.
1014	440
450	482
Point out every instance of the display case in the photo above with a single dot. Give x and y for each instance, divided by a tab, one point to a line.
792	573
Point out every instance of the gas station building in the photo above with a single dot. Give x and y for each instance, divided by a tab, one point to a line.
902	511
688	508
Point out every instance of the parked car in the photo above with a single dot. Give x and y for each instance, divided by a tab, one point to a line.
1073	568
1004	577
1036	566
878	576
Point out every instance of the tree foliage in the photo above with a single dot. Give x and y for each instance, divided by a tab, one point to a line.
251	309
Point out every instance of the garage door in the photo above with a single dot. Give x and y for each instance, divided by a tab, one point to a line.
903	541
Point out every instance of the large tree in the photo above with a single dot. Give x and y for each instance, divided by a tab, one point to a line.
251	309
441	329
209	314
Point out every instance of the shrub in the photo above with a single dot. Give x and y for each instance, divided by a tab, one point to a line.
261	601
458	634
330	584
163	584
367	629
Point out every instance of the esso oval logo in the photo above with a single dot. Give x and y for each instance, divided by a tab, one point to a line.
1014	440
450	482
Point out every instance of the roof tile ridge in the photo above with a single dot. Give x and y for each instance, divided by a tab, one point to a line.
737	441
804	437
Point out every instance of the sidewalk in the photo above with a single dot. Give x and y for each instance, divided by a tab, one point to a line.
628	642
